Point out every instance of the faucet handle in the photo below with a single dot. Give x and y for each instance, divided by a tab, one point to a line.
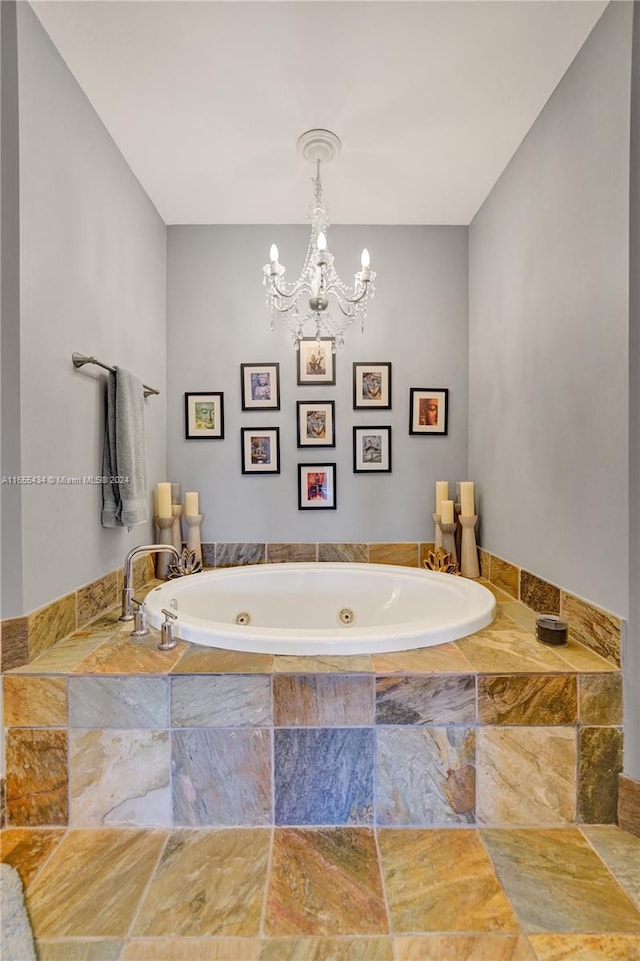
139	619
167	640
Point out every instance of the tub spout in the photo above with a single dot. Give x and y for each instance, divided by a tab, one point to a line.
127	590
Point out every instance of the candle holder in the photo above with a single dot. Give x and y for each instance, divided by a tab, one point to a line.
469	565
176	533
457	508
165	536
438	532
449	540
193	522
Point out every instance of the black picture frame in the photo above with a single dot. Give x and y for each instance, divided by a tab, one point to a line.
372	385
204	415
429	411
372	450
260	450
260	386
317	487
316	423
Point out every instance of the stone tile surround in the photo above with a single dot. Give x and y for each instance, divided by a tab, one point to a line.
24	638
120	734
591	625
455	716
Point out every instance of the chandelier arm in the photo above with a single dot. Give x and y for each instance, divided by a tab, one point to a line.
332	288
347	313
300	286
284	310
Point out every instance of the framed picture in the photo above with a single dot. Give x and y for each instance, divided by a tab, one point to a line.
316	423
428	410
371	450
260	384
316	487
316	361
372	386
260	450
204	416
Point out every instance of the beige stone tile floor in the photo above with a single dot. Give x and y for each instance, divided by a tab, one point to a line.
330	894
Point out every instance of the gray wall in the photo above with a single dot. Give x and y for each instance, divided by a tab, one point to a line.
549	333
10	496
93	279
632	645
217	320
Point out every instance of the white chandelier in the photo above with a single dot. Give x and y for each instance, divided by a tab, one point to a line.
319	280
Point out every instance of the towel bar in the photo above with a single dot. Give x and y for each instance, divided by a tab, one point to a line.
79	360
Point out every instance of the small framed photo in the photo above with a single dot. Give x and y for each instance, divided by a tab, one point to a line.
260	450
204	416
316	423
428	410
260	384
372	386
316	361
316	487
371	450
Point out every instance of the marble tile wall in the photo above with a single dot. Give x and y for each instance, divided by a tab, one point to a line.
258	748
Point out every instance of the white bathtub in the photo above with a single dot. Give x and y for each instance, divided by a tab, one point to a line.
322	608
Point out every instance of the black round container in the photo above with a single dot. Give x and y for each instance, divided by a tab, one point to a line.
551	629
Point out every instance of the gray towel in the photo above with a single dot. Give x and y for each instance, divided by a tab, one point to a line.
125	499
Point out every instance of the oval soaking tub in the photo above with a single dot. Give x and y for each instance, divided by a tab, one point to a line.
322	608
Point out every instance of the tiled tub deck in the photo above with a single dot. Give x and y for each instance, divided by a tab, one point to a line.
433	805
494	730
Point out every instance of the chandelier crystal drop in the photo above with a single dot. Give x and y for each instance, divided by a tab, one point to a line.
304	305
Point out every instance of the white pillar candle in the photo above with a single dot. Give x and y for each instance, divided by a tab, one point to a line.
446	512
163	500
442	494
175	493
467	503
191	503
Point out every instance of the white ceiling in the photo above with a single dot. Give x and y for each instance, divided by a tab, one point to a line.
207	99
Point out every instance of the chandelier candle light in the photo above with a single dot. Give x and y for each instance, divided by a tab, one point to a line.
319	280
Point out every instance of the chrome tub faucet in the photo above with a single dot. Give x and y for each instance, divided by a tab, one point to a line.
127	590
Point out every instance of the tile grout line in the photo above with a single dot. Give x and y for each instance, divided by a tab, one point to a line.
65	830
267	880
385	897
136	913
601	858
496	875
128	933
261	934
